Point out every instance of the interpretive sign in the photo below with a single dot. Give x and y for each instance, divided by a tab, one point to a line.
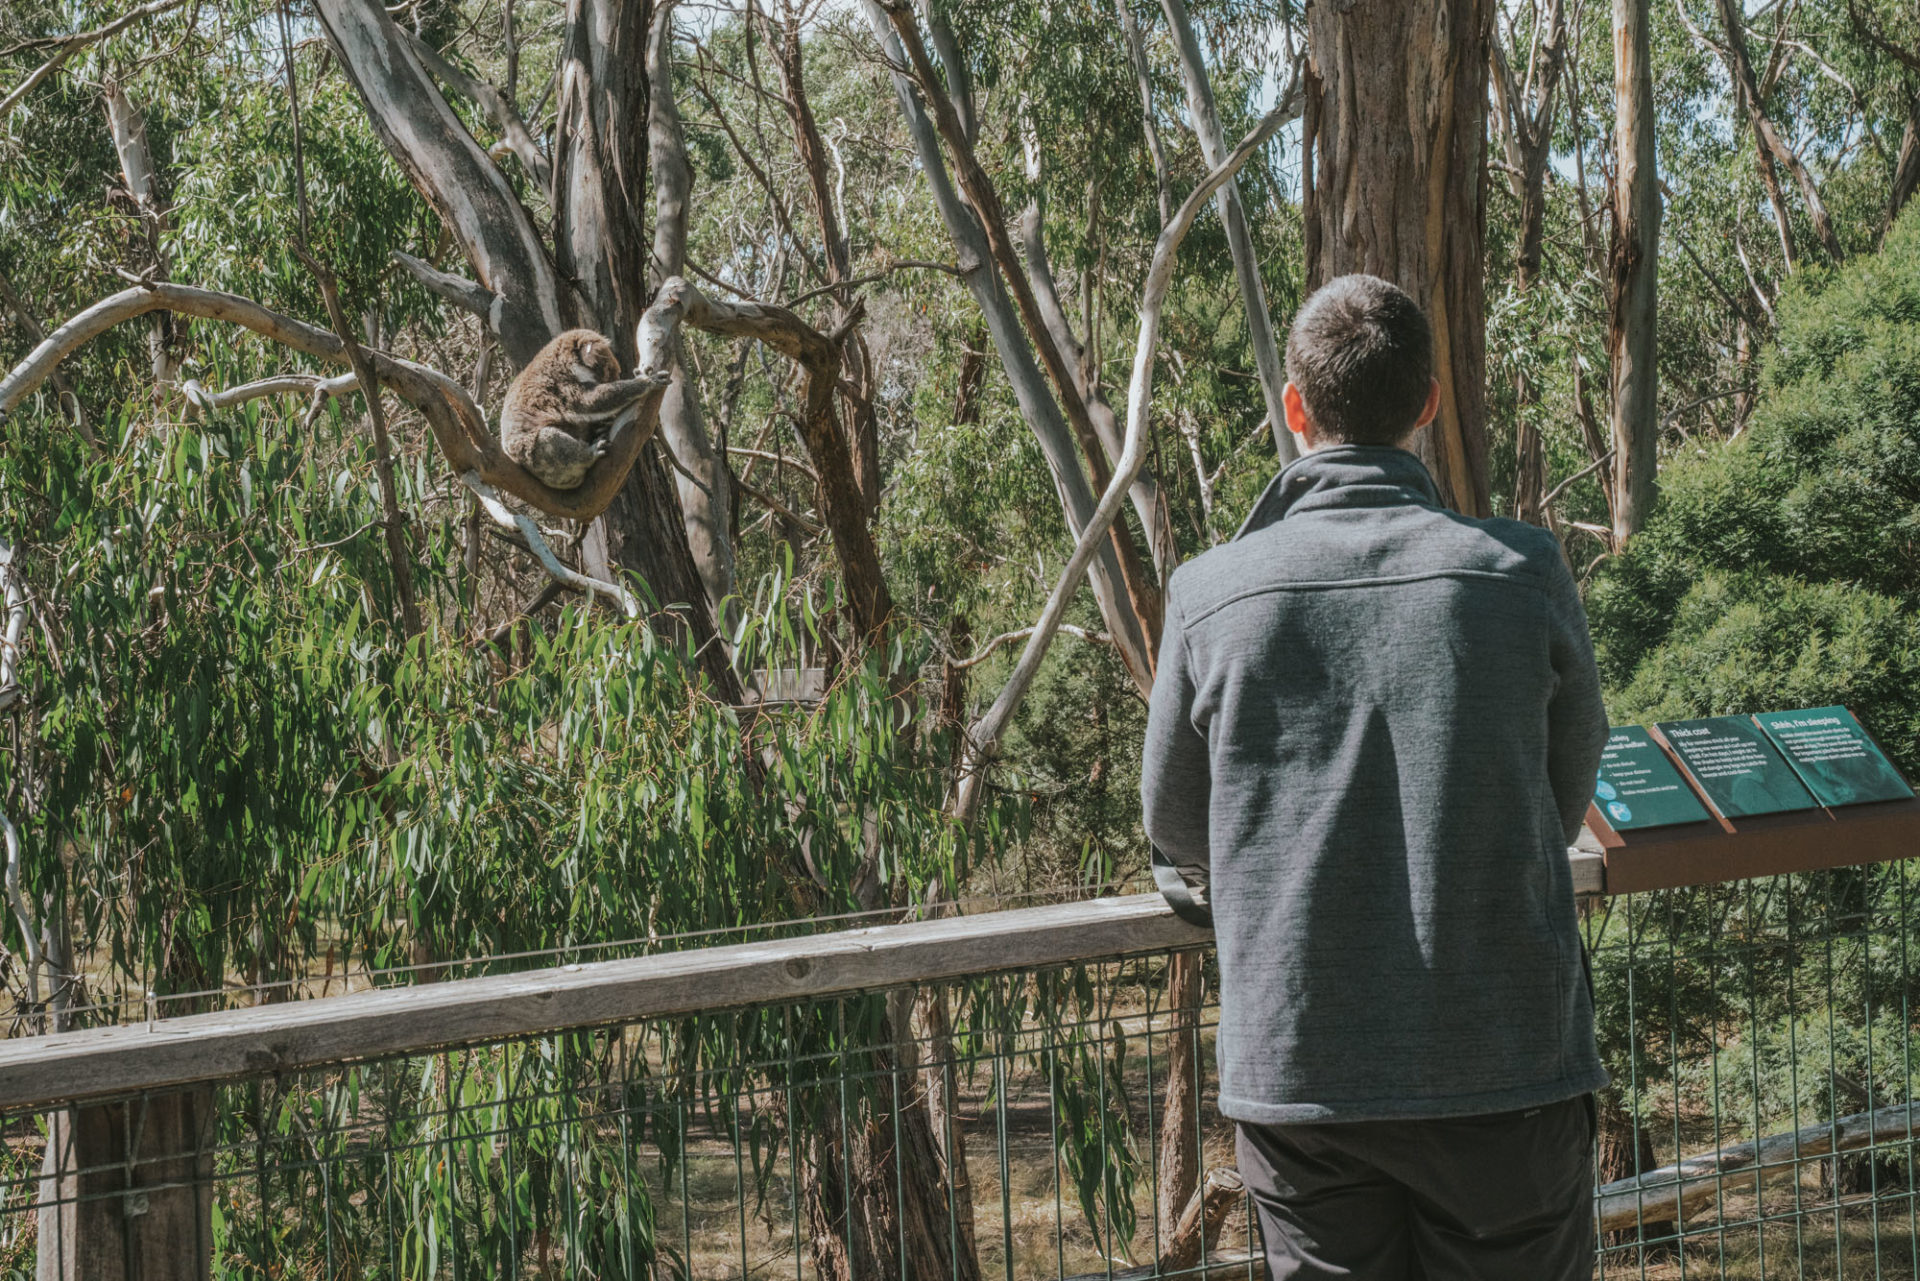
1639	787
1737	766
1833	756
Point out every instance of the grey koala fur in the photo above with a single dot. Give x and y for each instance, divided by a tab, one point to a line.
558	409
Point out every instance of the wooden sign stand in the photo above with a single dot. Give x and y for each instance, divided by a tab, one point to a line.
1658	858
1723	849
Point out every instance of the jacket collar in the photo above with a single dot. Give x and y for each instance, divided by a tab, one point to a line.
1344	476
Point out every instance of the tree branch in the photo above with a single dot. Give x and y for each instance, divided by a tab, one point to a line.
530	537
1023	633
458	290
781	459
1246	264
490	100
983	741
65	47
277	385
882	273
458	427
818	356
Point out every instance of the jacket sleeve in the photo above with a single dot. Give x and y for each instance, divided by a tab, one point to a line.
1175	777
1576	718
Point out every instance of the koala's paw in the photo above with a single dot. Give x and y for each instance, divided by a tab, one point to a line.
601	446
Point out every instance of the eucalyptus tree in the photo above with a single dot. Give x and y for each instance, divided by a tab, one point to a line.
546	226
1395	145
1526	105
1633	272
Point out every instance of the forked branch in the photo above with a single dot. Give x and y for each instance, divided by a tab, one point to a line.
458	427
983	741
818	356
526	531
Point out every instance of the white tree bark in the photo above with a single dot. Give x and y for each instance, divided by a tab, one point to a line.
701	478
1246	265
1037	405
129	130
983	740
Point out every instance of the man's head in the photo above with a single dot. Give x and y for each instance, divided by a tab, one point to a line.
1360	365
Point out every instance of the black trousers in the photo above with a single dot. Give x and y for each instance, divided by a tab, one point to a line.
1504	1197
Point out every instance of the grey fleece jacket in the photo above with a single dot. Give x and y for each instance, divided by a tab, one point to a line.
1373	733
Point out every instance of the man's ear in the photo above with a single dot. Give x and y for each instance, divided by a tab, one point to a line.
1432	407
1296	411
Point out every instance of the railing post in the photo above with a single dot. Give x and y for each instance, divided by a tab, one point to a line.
126	1190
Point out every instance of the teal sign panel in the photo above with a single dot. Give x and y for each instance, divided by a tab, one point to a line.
1833	756
1639	787
1737	766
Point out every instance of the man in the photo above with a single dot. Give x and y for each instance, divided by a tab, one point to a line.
1374	730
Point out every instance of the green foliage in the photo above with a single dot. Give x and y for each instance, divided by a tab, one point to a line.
1778	570
247	769
1782	568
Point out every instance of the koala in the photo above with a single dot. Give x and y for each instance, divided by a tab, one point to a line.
559	410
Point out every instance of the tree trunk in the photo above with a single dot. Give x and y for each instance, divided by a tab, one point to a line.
126	1190
1394	185
1906	169
857	1151
1747	89
600	156
1246	265
939	1080
1527	114
599	172
1625	1151
1131	632
863	423
1530	455
454	175
1633	267
701	479
1179	1158
859	390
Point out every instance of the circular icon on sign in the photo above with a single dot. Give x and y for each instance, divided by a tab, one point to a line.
1604	790
1620	812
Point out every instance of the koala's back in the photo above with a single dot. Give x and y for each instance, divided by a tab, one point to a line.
548	392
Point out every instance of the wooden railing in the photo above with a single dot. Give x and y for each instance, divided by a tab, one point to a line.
202	1048
102	1062
170	1065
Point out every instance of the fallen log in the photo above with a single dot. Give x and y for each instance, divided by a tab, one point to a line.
1220	1267
1668	1193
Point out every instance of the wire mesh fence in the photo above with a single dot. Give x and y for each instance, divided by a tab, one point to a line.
1008	1125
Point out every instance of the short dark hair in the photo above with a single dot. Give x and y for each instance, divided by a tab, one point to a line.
1361	353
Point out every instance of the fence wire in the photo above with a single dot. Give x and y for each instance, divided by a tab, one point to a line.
1760	1035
